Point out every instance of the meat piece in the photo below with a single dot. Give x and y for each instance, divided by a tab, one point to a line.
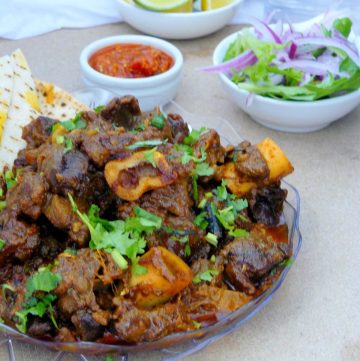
208	304
122	112
28	195
86	327
79	275
64	172
249	162
210	143
248	259
37	132
21	238
39	328
179	129
174	198
266	204
133	325
59	212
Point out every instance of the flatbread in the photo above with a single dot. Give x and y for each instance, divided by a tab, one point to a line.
24	107
56	103
6	81
22	100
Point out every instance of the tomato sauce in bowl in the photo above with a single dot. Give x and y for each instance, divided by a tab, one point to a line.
129	60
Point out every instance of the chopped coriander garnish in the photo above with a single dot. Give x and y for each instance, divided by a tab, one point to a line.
202	203
2	244
138	270
71	251
76	123
1	192
221	191
158	121
2	205
146	143
212	239
69	145
149	156
213	259
67	142
120	239
10	179
206	276
60	139
194	136
99	108
286	262
200	220
197	325
184	239
203	170
44	280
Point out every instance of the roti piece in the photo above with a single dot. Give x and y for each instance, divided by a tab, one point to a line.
6	81
24	107
56	103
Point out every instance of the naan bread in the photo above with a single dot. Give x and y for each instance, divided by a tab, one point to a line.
6	81
56	103
24	107
22	100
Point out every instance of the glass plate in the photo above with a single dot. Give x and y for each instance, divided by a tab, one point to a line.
179	345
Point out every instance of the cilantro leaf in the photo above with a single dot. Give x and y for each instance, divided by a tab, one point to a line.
194	136
120	239
2	244
76	123
99	108
149	156
158	121
146	143
43	280
200	220
203	169
10	179
212	239
221	191
2	205
206	276
343	26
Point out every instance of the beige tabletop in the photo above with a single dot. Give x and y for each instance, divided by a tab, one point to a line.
316	313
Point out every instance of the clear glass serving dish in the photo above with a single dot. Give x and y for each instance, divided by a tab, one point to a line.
174	346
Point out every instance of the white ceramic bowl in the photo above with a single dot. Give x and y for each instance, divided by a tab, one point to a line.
177	25
151	91
285	115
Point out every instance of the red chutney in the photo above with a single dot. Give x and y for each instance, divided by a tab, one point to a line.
131	61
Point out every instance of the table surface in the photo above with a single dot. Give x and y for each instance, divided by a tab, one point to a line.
316	314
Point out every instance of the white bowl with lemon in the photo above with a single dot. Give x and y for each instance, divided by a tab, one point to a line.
178	19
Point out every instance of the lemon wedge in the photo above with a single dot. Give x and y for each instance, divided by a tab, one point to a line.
169	6
214	4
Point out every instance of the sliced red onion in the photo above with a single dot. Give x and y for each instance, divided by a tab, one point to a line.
243	60
310	66
292	51
322	42
306	80
263	28
276	79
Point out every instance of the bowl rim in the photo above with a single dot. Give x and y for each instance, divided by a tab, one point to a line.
194	15
217	59
108	80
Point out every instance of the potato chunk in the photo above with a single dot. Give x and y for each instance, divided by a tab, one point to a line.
277	162
167	274
131	177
